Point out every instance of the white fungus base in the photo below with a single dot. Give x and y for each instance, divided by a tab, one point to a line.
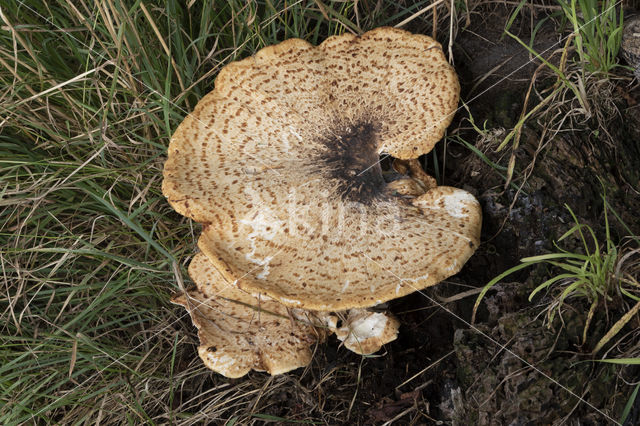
365	332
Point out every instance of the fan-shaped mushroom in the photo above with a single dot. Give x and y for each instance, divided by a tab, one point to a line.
281	165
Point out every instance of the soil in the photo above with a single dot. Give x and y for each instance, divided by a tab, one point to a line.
512	366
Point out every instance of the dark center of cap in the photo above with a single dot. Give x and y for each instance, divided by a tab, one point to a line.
351	161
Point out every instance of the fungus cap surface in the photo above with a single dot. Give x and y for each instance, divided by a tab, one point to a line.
280	162
239	332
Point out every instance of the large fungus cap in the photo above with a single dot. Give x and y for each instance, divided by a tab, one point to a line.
280	162
239	332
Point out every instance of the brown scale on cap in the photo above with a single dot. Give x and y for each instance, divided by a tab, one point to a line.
239	332
280	162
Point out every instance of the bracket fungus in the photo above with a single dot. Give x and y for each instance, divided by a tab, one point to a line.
281	163
239	332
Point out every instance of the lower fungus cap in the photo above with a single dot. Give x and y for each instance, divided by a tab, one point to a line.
239	332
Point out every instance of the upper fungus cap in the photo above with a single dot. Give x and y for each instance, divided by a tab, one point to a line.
280	162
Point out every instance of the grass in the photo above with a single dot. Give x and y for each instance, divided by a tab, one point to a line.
582	71
598	274
91	252
597	26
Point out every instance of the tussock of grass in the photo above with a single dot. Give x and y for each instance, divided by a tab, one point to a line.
89	95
